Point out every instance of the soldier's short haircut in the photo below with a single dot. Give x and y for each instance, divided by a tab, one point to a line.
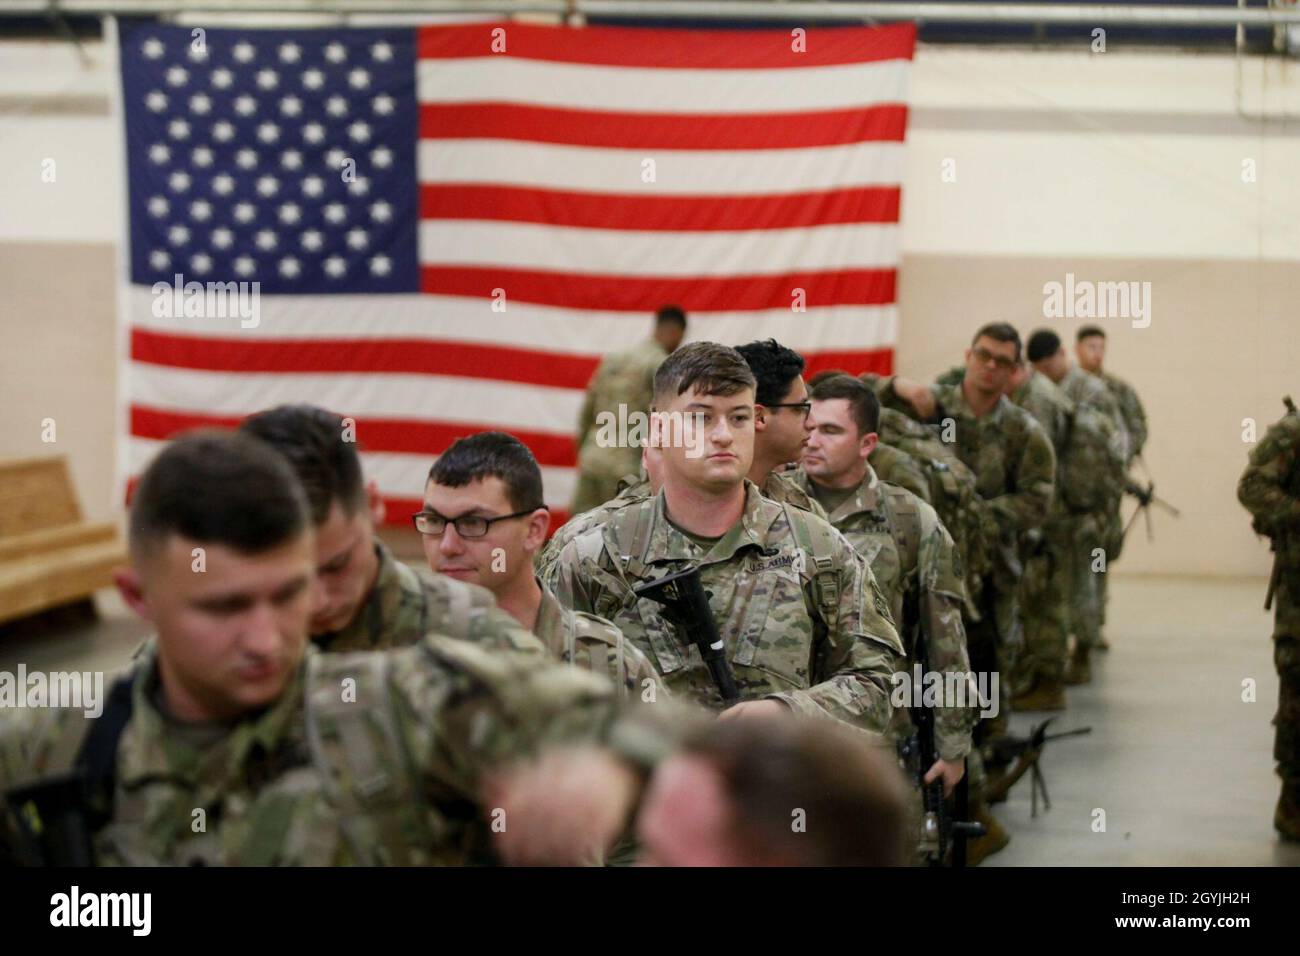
710	368
1088	331
1042	344
999	332
325	460
492	455
864	406
825	374
671	315
221	488
853	798
775	368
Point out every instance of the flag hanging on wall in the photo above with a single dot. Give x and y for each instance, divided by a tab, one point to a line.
440	230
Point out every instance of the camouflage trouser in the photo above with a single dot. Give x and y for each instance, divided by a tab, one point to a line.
993	643
593	489
1286	656
1044	603
1085	576
1113	542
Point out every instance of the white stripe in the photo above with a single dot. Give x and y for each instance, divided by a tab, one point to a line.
657	90
397	475
527	245
676	172
566	331
363	395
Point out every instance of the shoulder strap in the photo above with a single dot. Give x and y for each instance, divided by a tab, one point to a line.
630	526
816	539
349	740
904	521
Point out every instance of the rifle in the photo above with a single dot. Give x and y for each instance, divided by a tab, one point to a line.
939	830
1146	498
685	604
1026	751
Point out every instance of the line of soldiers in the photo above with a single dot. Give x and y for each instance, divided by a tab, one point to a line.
985	509
424	724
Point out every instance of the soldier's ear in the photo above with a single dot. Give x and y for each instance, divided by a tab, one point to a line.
131	588
375	503
539	522
869	442
760	417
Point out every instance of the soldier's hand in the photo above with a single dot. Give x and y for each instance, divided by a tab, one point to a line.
950	771
756	709
565	808
917	394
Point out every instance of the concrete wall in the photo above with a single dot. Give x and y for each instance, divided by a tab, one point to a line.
1023	166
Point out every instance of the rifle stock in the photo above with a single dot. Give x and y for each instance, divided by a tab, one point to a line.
685	604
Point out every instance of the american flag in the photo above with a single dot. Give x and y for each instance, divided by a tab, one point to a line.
450	225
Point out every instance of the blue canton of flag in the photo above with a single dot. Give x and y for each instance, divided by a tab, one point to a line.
285	157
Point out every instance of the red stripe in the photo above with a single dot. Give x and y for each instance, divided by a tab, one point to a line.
660	213
670	49
695	131
398	356
646	294
880	361
373	434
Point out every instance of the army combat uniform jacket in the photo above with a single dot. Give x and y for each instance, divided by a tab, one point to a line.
365	758
915	564
593	643
800	614
405	605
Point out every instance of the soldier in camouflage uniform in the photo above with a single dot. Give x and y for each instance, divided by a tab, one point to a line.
622	387
901	538
804	626
371	600
1270	491
1090	348
1047	579
237	742
1093	408
482	523
781	408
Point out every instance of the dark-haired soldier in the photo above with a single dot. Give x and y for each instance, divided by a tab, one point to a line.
233	741
780	410
483	521
804	626
372	600
621	387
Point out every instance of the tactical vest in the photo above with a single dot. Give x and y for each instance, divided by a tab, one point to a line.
630	529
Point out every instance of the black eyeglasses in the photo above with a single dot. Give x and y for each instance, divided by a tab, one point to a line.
467	526
984	356
804	407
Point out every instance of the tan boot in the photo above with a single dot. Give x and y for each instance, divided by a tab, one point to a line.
1079	671
1048	693
995	839
1287	818
1103	644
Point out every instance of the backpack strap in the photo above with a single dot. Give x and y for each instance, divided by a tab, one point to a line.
817	540
631	526
904	521
361	756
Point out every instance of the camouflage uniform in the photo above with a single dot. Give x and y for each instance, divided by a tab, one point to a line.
897	467
1270	491
593	643
1135	427
1050	575
389	777
405	605
915	565
624	378
1092	530
801	616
